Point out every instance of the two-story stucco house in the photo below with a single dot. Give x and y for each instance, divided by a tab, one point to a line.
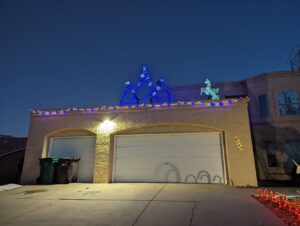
191	140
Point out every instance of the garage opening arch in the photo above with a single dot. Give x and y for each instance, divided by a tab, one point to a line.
65	132
74	143
167	128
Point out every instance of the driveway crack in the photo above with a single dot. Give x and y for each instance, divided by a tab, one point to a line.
192	216
141	213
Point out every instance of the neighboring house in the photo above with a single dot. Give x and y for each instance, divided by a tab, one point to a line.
12	151
274	116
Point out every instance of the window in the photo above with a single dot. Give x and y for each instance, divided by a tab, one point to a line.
263	106
271	156
272	160
288	103
292	148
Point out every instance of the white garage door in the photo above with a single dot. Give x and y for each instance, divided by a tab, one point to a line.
178	158
76	147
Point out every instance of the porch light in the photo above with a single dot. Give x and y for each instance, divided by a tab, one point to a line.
107	126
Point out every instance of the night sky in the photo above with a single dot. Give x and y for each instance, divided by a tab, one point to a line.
79	53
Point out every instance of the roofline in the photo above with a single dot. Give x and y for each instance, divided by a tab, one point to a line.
12	152
199	85
114	109
275	74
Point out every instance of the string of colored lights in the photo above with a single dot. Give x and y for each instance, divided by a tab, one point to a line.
199	104
288	204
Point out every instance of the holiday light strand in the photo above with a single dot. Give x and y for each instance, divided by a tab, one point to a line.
290	204
200	104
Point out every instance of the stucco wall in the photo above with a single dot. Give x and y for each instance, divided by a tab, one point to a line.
274	128
232	121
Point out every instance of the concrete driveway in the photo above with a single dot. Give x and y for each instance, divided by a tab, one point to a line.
133	204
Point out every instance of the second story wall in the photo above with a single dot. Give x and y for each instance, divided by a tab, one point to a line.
274	97
284	95
226	90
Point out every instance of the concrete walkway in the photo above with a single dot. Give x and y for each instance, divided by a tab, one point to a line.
133	204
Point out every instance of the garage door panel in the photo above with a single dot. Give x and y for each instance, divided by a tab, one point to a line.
182	156
155	158
181	165
160	152
174	177
142	141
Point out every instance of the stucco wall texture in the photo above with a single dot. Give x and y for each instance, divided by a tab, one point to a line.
230	120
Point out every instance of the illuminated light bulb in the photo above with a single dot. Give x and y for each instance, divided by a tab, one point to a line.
107	126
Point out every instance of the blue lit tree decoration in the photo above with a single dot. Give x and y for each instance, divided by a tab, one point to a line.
145	91
162	94
129	96
144	87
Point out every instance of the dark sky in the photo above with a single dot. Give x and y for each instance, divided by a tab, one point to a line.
79	53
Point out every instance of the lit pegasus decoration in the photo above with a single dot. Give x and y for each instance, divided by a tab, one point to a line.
209	91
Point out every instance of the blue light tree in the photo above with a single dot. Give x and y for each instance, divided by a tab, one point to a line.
129	96
162	93
144	87
145	91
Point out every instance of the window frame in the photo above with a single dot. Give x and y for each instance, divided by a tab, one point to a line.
277	98
261	112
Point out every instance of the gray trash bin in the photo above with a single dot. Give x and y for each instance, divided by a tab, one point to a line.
66	170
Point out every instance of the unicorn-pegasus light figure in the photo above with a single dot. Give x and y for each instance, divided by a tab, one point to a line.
209	91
